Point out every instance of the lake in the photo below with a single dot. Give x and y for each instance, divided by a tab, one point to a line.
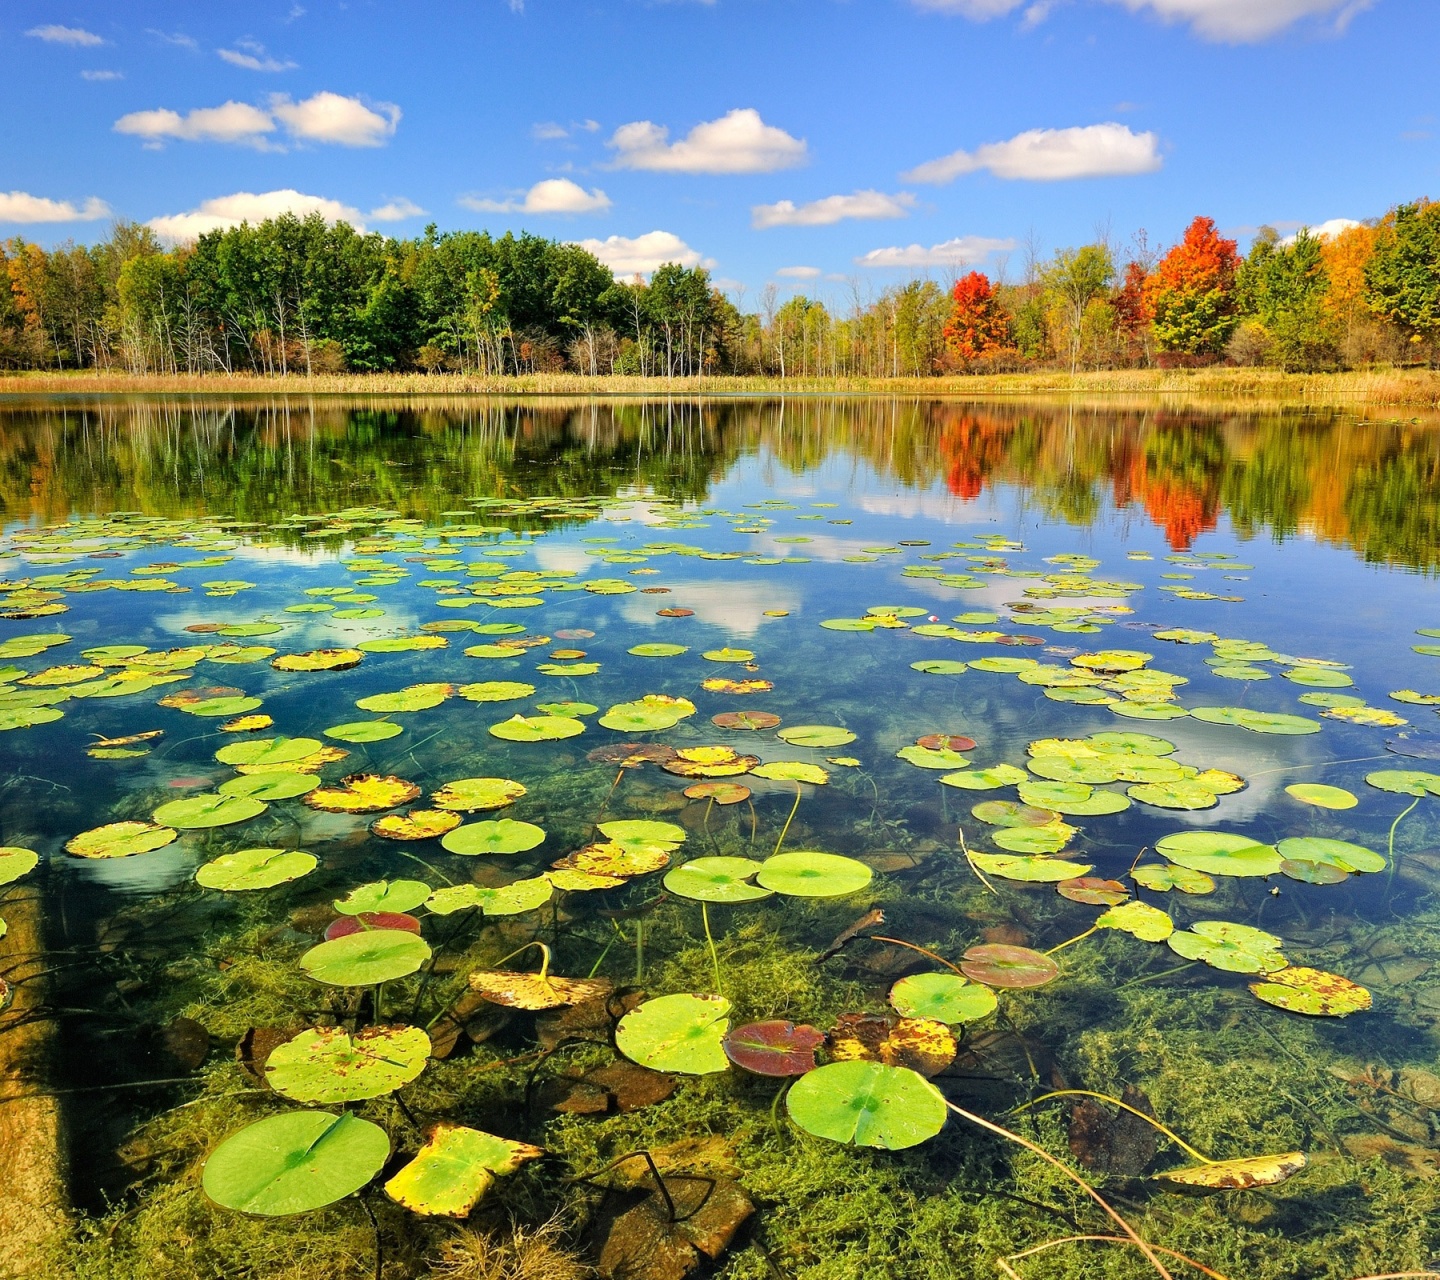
1021	747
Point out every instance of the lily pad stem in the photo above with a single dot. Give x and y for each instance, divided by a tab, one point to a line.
1124	1106
544	963
1169	1253
1390	847
898	943
1068	1172
426	865
794	809
1072	941
979	875
714	955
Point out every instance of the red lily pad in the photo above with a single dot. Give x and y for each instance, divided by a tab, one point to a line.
774	1048
346	925
720	792
997	965
1093	891
946	742
746	719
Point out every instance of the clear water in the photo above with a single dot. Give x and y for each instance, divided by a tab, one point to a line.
1320	532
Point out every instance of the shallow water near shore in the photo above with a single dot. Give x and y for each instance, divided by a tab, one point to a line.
1236	604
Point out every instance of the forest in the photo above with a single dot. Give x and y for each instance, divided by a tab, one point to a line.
293	296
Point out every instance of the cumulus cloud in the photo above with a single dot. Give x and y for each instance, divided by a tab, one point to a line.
1052	155
1326	230
553	195
799	273
396	211
177	38
832	209
99	76
253	57
550	131
245	206
960	252
56	34
323	117
21	206
641	255
1231	21
738	142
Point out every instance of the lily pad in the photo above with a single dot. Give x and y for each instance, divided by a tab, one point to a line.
1073	799
680	1033
517	990
1322	796
944	997
364	959
418	824
815	735
248	869
813	875
747	720
16	862
1405	782
415	697
1237	1175
992	779
275	785
364	731
195	813
716	880
1314	992
867	1104
452	1172
467	795
1031	868
925	758
495	691
1050	838
1220	853
1011	968
318	660
294	1162
121	840
1257	721
329	1064
537	728
719	792
1335	853
728	655
502	836
383	895
1235	948
792	771
1138	919
363	793
268	751
1161	879
510	900
658	650
642	831
775	1048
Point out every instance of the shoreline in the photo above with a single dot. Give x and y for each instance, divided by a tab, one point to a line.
1397	389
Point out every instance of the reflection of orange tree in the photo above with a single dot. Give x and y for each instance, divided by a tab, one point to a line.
970	447
1177	479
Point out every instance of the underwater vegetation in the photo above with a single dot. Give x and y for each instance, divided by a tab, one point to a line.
637	884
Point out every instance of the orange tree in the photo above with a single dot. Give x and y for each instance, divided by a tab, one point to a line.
1191	292
978	325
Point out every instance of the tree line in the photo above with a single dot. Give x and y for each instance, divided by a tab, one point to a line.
300	296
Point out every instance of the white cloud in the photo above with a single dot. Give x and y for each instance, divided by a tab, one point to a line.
178	38
553	195
960	252
1232	21
245	206
230	122
738	142
832	209
330	117
643	254
21	206
799	273
97	76
1050	155
1241	21
548	131
253	57
1326	230
396	211
323	117
56	34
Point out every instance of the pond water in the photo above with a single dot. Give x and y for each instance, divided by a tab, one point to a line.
1237	603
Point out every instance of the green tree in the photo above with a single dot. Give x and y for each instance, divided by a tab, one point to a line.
1402	277
1283	287
1073	279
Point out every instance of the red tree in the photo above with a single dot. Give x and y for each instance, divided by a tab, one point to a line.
1191	292
978	325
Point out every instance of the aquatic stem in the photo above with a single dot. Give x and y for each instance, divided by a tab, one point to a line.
898	943
1074	1177
1124	1106
1390	846
544	963
639	951
794	809
979	875
426	865
600	813
754	821
1071	942
714	955
619	933
1169	1253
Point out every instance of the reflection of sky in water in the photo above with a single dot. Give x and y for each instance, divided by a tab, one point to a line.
1302	597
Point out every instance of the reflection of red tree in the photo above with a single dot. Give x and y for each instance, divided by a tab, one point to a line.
1182	509
972	447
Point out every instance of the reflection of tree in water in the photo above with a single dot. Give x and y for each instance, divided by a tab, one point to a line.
1369	485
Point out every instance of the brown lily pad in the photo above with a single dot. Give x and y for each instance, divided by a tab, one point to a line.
997	965
253	1049
946	742
185	1042
531	991
720	792
1113	1141
773	1048
1093	891
674	613
592	1020
618	1086
922	1044
631	755
745	720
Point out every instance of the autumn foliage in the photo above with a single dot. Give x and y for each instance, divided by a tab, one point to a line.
978	325
1191	292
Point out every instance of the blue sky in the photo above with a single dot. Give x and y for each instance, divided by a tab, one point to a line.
803	142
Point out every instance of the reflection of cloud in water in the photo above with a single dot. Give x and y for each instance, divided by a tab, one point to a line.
736	607
554	558
153	872
822	546
932	505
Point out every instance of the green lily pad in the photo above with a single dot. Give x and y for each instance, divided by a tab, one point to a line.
1138	919
195	813
791	771
16	862
329	1064
1073	799
1007	813
294	1162
1322	796
1235	948
1334	853
815	735
1257	721
383	895
1405	782
415	697
504	835
992	779
509	900
230	706
658	650
1318	678
1089	771
537	728
849	624
679	1033
1030	868
495	691
945	997
925	758
121	840
940	667
277	784
642	831
247	869
1183	794
647	714
454	1169
867	1104
1219	853
1147	710
1161	879
402	644
268	751
364	731
1048	838
470	795
813	875
366	958
716	880
728	655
